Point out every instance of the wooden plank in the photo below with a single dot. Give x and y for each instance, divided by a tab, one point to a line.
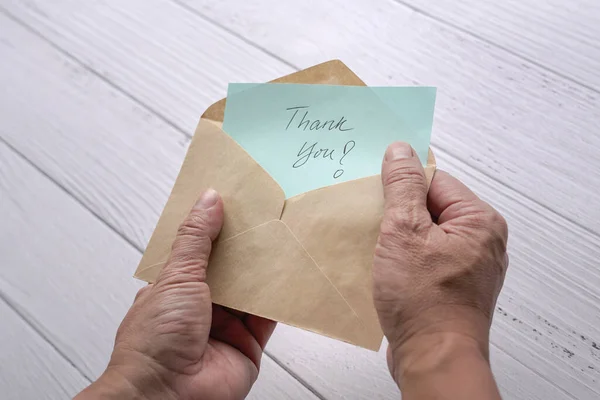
29	367
71	275
179	63
354	382
549	309
495	112
147	153
194	65
333	369
560	36
547	317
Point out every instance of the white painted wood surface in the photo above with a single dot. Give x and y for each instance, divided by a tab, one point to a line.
29	367
490	103
100	97
69	274
557	35
496	112
178	64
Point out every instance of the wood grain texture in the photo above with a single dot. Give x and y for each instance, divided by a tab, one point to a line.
168	59
496	112
547	281
121	154
557	35
179	66
548	314
340	371
547	317
29	367
70	275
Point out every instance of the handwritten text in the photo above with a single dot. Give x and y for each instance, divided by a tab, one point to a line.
312	151
314	125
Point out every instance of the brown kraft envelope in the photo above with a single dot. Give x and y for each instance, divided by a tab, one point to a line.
305	261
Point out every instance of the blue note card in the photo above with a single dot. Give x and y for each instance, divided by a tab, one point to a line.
310	136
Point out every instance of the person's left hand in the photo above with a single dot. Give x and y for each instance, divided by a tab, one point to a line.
173	342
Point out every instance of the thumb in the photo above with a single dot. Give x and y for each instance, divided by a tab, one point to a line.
193	243
404	189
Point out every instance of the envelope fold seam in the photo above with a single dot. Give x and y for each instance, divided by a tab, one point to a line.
148	267
248	230
324	274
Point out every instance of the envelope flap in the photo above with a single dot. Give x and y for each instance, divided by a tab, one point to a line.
338	226
332	72
265	271
346	218
250	195
296	266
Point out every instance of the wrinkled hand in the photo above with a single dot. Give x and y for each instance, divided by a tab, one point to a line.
174	343
439	263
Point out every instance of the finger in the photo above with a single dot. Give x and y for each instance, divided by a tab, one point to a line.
229	329
193	243
261	328
240	314
404	187
449	198
457	207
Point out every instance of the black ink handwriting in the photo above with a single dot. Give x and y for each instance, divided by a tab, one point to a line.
315	125
306	152
311	151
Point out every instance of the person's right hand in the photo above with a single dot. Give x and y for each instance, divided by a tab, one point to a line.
439	266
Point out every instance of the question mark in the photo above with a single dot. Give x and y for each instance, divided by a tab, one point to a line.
347	151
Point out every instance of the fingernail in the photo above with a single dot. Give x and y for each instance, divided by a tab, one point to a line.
208	199
400	151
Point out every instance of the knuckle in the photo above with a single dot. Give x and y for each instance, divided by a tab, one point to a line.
492	219
500	223
409	220
190	250
490	225
404	174
478	220
181	272
495	228
195	224
142	292
489	254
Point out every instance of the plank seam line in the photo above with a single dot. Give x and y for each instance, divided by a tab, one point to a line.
258	47
414	9
441	22
30	321
494	44
25	316
542	377
590	231
167	121
181	131
197	13
295	376
534	345
69	193
92	71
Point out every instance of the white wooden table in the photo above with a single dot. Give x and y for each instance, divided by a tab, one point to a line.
98	100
